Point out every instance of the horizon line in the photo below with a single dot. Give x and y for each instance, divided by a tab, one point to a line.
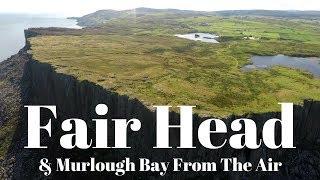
60	14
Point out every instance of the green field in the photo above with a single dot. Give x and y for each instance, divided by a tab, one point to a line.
140	57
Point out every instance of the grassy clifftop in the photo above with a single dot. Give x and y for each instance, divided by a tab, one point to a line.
141	58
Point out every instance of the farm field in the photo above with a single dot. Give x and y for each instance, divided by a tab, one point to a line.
140	57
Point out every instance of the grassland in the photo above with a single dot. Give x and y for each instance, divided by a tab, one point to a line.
141	58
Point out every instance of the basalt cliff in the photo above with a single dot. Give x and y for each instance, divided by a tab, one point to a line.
26	81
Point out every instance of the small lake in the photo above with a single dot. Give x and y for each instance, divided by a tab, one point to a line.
203	37
311	65
12	30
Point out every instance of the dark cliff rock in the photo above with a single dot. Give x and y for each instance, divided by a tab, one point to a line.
11	72
78	99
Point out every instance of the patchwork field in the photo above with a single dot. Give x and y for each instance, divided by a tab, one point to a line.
140	57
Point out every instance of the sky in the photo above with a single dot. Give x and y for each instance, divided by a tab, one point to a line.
82	7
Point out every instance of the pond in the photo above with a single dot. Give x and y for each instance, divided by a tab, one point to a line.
203	37
311	65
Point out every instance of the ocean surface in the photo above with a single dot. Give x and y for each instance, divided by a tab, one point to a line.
12	30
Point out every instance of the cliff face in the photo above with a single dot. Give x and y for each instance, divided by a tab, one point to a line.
11	72
42	85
